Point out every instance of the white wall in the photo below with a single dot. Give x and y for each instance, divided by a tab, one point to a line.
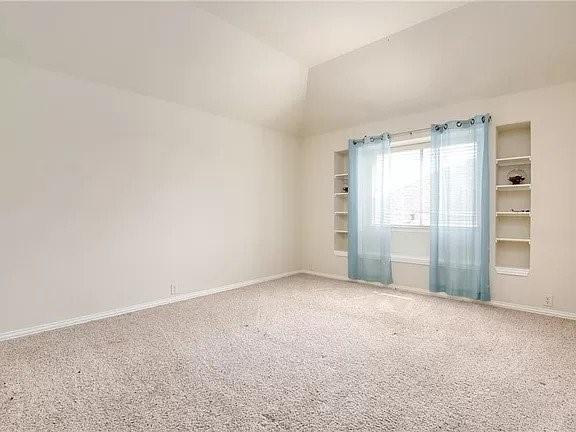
552	112
107	197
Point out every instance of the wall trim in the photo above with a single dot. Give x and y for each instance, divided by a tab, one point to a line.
13	334
500	304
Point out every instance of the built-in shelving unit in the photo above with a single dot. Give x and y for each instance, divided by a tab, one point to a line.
340	203
513	201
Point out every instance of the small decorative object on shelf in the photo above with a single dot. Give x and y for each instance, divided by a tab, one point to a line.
520	211
345	188
516	176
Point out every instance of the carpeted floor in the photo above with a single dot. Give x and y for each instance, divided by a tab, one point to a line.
300	353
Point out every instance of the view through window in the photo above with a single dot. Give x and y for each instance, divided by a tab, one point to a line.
409	191
409	182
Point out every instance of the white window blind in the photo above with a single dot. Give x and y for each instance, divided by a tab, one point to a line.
409	187
456	166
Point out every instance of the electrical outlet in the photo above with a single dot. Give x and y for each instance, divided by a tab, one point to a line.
548	301
172	289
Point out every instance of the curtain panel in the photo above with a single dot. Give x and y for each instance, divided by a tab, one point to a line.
369	230
459	208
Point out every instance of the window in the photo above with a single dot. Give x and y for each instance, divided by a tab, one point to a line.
409	186
457	204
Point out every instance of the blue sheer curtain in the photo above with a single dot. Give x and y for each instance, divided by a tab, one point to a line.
368	209
459	208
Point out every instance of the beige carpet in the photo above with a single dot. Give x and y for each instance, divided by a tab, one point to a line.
301	353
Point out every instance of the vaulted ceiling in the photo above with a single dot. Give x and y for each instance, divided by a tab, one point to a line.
169	50
477	51
315	32
300	67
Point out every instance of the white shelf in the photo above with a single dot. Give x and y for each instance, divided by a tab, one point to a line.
518	160
341	231
514	214
341	176
513	240
519	187
340	213
341	253
513	271
341	194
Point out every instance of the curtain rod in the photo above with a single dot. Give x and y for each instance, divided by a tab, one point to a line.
408	132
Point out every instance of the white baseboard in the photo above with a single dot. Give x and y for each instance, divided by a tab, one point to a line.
500	304
535	309
124	310
329	276
181	297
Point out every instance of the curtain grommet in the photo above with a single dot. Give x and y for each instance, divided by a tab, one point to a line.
472	121
458	123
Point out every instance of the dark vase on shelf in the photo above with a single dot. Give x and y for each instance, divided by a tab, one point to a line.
517	176
516	179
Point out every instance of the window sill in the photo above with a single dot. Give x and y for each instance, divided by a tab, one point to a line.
396	258
410	228
425	261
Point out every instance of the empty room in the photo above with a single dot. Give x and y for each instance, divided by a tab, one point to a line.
287	216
